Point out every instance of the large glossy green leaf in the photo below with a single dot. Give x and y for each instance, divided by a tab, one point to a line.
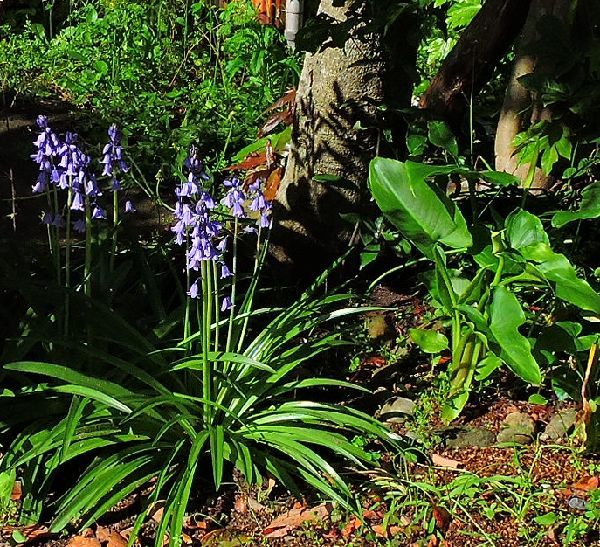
557	269
523	229
506	317
429	340
589	208
421	213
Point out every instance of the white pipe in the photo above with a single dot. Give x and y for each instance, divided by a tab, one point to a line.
294	11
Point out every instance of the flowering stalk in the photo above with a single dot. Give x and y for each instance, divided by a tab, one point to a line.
206	322
87	270
68	257
233	285
115	224
216	299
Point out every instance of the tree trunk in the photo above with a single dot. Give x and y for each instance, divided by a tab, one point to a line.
472	61
334	135
521	108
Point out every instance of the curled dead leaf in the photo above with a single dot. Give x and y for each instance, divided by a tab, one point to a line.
295	518
442	461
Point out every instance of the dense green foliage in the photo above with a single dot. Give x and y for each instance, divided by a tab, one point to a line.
148	365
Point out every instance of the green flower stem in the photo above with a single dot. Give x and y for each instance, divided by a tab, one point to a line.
115	235
53	238
207	391
216	302
87	271
257	261
68	258
236	227
186	319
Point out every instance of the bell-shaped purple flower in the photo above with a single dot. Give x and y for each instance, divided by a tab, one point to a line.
129	207
99	213
193	292
79	226
78	203
226	304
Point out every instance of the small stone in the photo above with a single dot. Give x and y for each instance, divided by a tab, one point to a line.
472	436
577	503
517	427
559	425
397	409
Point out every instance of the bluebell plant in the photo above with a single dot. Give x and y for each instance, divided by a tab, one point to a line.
209	230
65	168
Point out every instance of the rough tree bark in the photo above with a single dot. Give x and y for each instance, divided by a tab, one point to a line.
334	133
471	63
521	108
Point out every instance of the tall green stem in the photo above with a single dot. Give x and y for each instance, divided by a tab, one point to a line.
87	270
236	228
186	319
68	258
115	224
207	391
257	259
216	302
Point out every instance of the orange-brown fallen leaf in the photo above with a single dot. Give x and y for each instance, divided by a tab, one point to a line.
294	518
82	541
351	526
442	461
442	518
386	532
116	540
30	533
587	484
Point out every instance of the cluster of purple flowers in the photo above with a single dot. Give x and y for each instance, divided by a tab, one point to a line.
64	165
112	157
195	222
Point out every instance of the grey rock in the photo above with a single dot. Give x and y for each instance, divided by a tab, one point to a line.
470	436
517	427
397	409
559	425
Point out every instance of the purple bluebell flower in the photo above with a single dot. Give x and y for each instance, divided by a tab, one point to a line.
112	157
193	292
235	197
47	218
58	220
79	226
78	203
98	213
41	183
226	304
225	271
129	207
261	205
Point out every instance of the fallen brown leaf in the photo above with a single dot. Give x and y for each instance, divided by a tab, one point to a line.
294	518
442	518
31	533
587	484
383	532
351	526
116	540
102	534
82	541
442	461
